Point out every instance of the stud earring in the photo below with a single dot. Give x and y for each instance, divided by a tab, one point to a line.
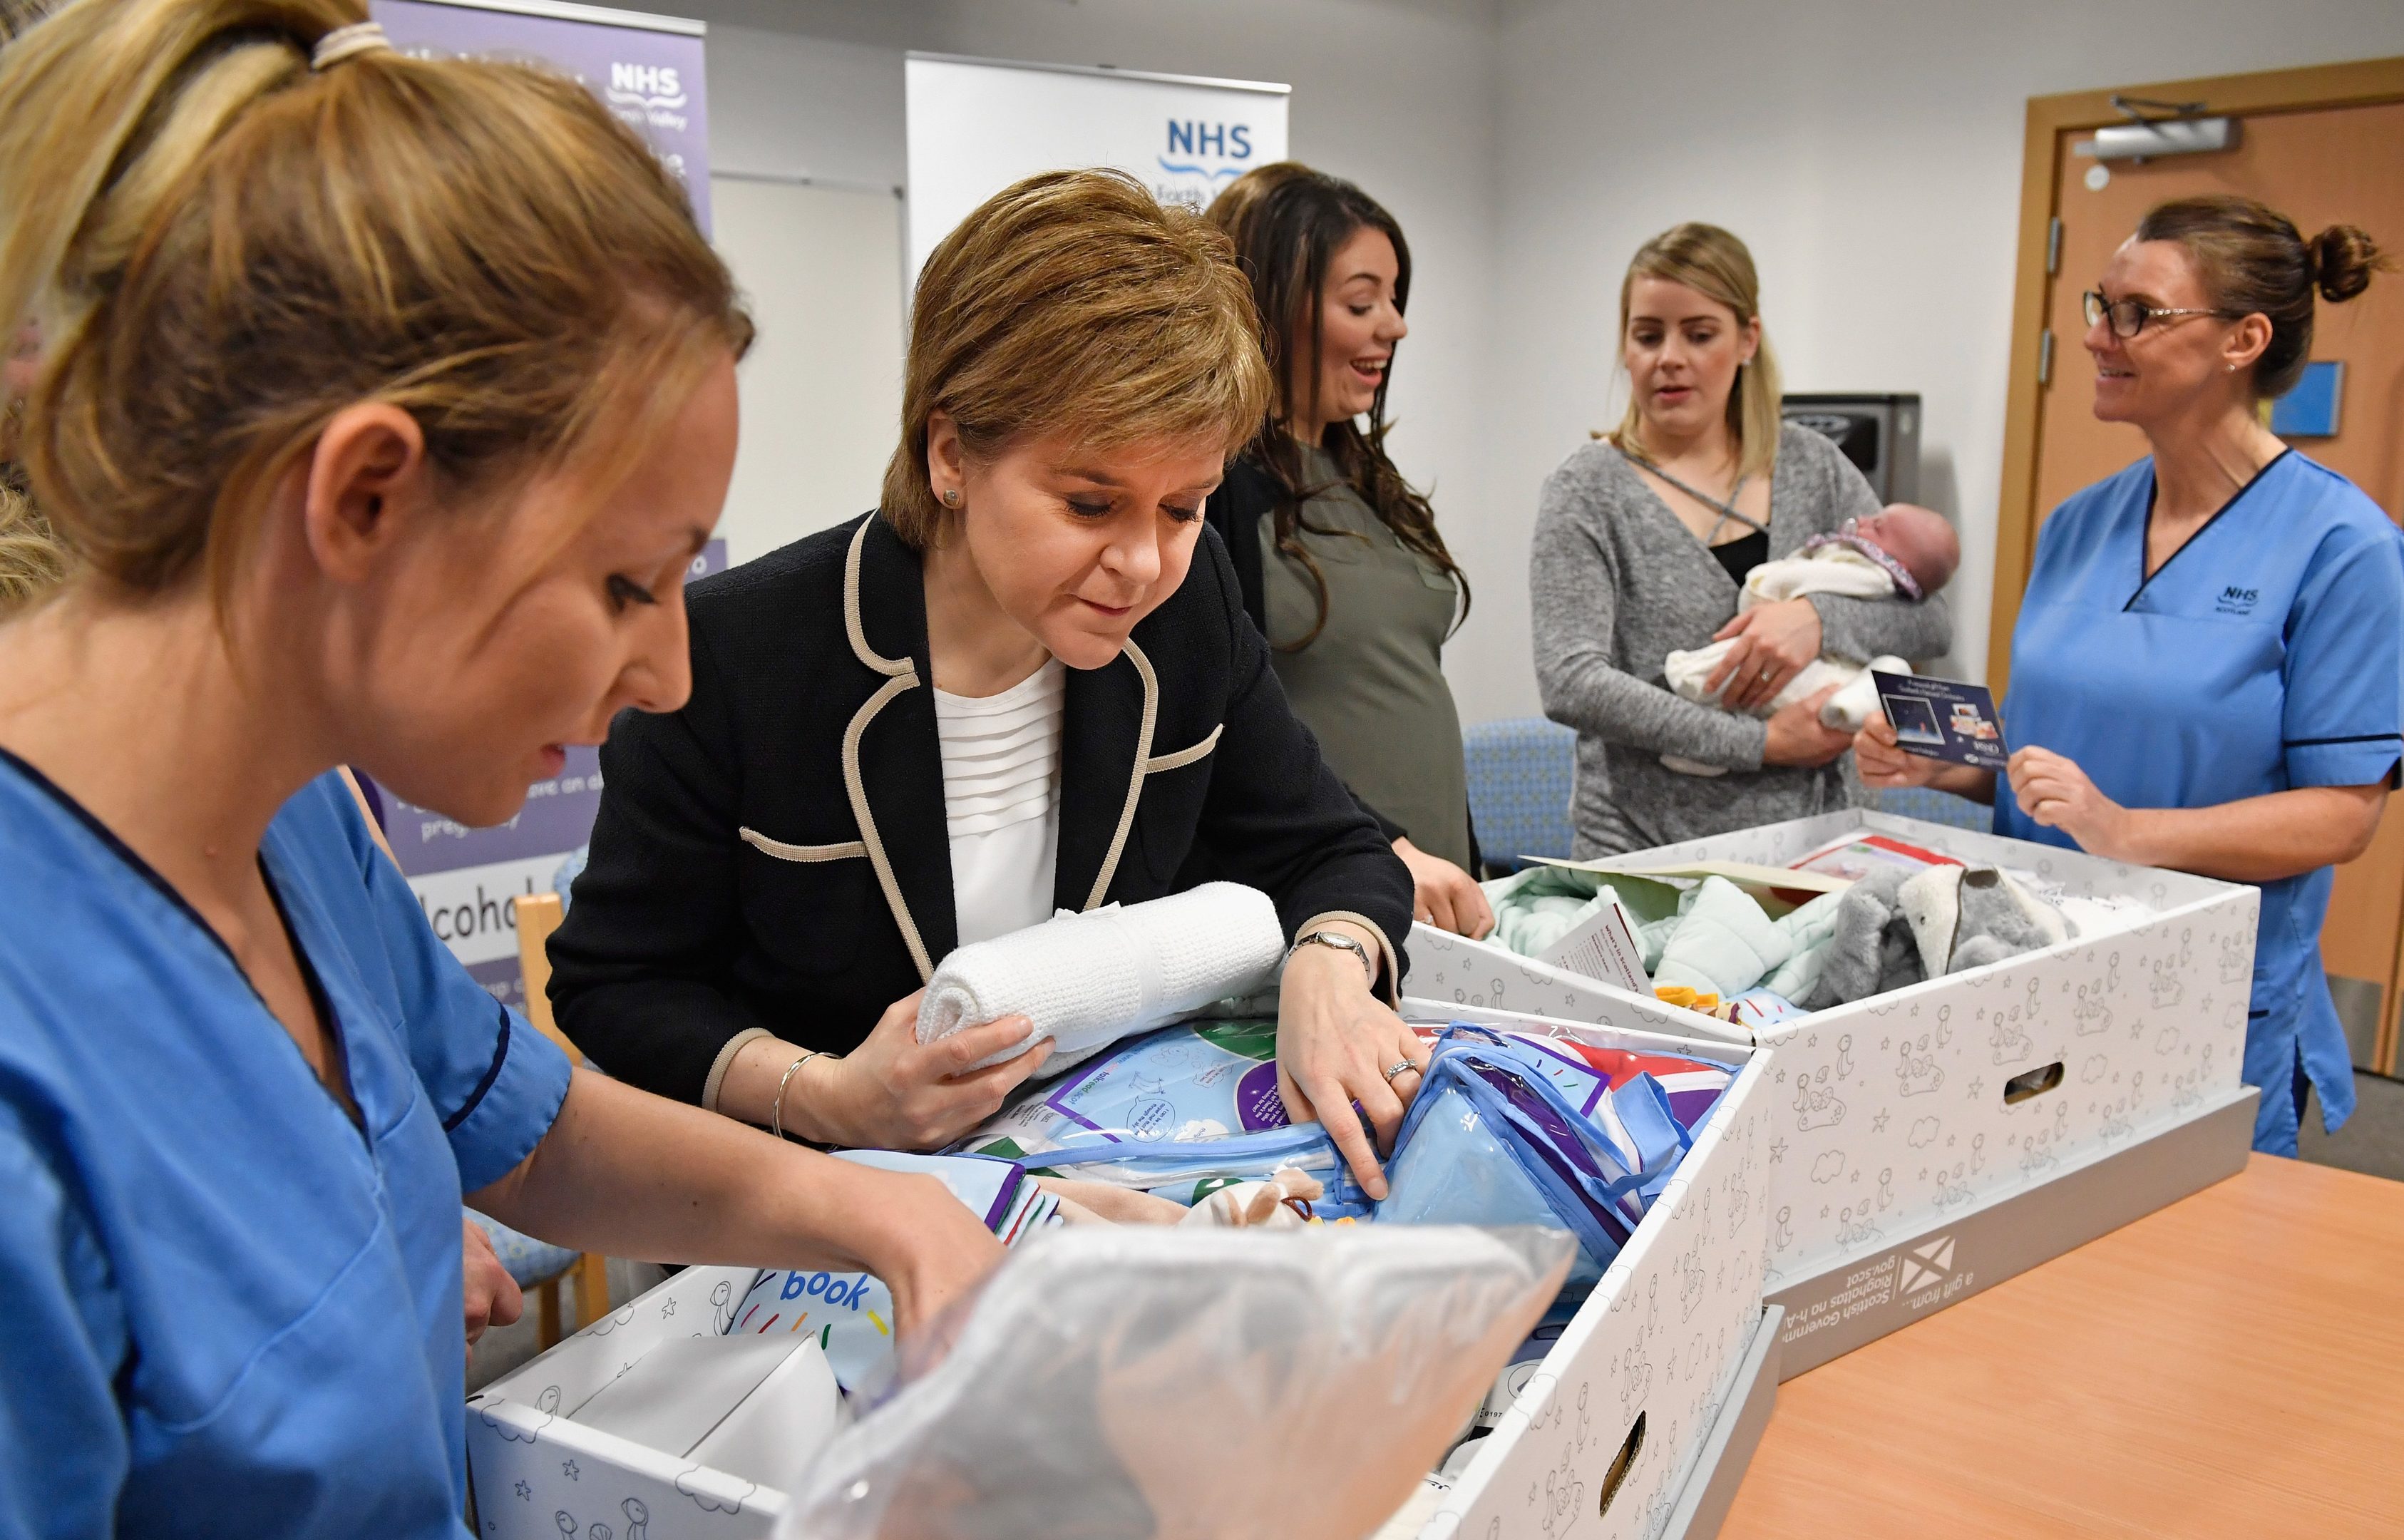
951	497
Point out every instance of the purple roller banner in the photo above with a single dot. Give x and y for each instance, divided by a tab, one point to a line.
650	76
465	878
648	70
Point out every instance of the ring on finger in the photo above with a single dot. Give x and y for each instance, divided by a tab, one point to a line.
1399	1067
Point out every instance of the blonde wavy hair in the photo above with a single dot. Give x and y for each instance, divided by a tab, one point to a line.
223	247
1716	265
1074	303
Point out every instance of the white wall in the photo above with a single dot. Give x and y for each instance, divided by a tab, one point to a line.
1869	153
1397	94
821	388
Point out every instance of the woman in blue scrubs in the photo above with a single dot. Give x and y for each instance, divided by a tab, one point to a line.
2208	671
383	402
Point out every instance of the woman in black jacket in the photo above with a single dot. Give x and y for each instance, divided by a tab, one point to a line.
1026	683
1339	560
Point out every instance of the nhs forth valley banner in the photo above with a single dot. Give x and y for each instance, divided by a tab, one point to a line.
977	125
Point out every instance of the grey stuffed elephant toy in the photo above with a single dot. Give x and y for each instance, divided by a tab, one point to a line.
1897	926
1873	950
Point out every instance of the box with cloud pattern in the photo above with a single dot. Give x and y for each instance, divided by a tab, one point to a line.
1644	1368
1615	1423
538	1475
1933	1102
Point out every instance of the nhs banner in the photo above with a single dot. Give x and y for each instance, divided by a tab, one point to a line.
648	71
977	125
647	68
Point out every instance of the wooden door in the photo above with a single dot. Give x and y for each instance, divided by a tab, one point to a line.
2318	167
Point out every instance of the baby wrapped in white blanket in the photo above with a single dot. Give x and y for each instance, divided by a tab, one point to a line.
1903	554
1088	980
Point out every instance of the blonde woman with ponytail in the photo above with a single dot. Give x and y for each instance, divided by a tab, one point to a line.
383	403
1642	542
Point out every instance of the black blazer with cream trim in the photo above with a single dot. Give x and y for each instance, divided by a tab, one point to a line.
773	858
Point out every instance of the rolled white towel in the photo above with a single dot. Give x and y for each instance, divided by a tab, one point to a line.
1088	980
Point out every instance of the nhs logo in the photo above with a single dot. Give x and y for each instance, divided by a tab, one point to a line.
653	85
1191	138
648	95
1201	157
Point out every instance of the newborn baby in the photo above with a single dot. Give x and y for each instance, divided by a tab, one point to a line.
1901	553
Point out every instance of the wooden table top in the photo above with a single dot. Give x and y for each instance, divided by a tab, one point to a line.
2230	1365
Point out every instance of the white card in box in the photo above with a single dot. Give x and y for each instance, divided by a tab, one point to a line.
1898	1117
1612	1428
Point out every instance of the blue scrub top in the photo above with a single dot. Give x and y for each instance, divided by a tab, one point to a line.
225	1309
2267	653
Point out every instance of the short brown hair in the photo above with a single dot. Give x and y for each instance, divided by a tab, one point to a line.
2253	262
1074	303
225	247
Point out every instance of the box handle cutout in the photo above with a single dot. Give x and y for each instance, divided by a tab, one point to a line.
2035	1083
1616	1476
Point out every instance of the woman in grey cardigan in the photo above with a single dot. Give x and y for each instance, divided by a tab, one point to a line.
1642	542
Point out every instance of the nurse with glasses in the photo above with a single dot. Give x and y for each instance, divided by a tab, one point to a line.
2208	670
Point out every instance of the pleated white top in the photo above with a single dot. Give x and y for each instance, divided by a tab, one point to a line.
1001	801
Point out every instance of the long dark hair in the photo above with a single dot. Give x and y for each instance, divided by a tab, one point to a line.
1287	222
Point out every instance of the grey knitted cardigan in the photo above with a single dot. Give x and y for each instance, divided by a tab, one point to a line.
1618	583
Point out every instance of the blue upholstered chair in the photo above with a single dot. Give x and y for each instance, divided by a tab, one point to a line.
1520	771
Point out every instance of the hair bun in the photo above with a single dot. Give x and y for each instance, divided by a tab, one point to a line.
2343	258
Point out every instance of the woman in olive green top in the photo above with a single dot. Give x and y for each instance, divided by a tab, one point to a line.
1339	560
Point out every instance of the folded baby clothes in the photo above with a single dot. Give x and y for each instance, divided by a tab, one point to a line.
1088	980
1537	907
1808	930
1724	944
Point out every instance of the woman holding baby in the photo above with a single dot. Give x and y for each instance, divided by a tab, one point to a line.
1644	544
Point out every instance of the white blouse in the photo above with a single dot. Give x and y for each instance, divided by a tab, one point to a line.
1001	801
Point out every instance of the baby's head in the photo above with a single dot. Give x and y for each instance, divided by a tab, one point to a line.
1919	538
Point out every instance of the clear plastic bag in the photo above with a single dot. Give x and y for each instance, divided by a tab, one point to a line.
1177	1383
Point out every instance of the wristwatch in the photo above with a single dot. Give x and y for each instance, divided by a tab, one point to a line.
1344	942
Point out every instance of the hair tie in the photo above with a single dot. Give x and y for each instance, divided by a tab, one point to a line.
348	43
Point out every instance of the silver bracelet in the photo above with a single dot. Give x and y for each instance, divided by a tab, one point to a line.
776	1107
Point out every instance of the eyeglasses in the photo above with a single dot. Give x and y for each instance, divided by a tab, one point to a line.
2129	317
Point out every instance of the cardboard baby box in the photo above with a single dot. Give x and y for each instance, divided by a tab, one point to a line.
1639	1418
1933	1140
650	1424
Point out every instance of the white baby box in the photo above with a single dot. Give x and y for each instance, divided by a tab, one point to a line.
1624	1429
1928	1142
541	1472
1625	1426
